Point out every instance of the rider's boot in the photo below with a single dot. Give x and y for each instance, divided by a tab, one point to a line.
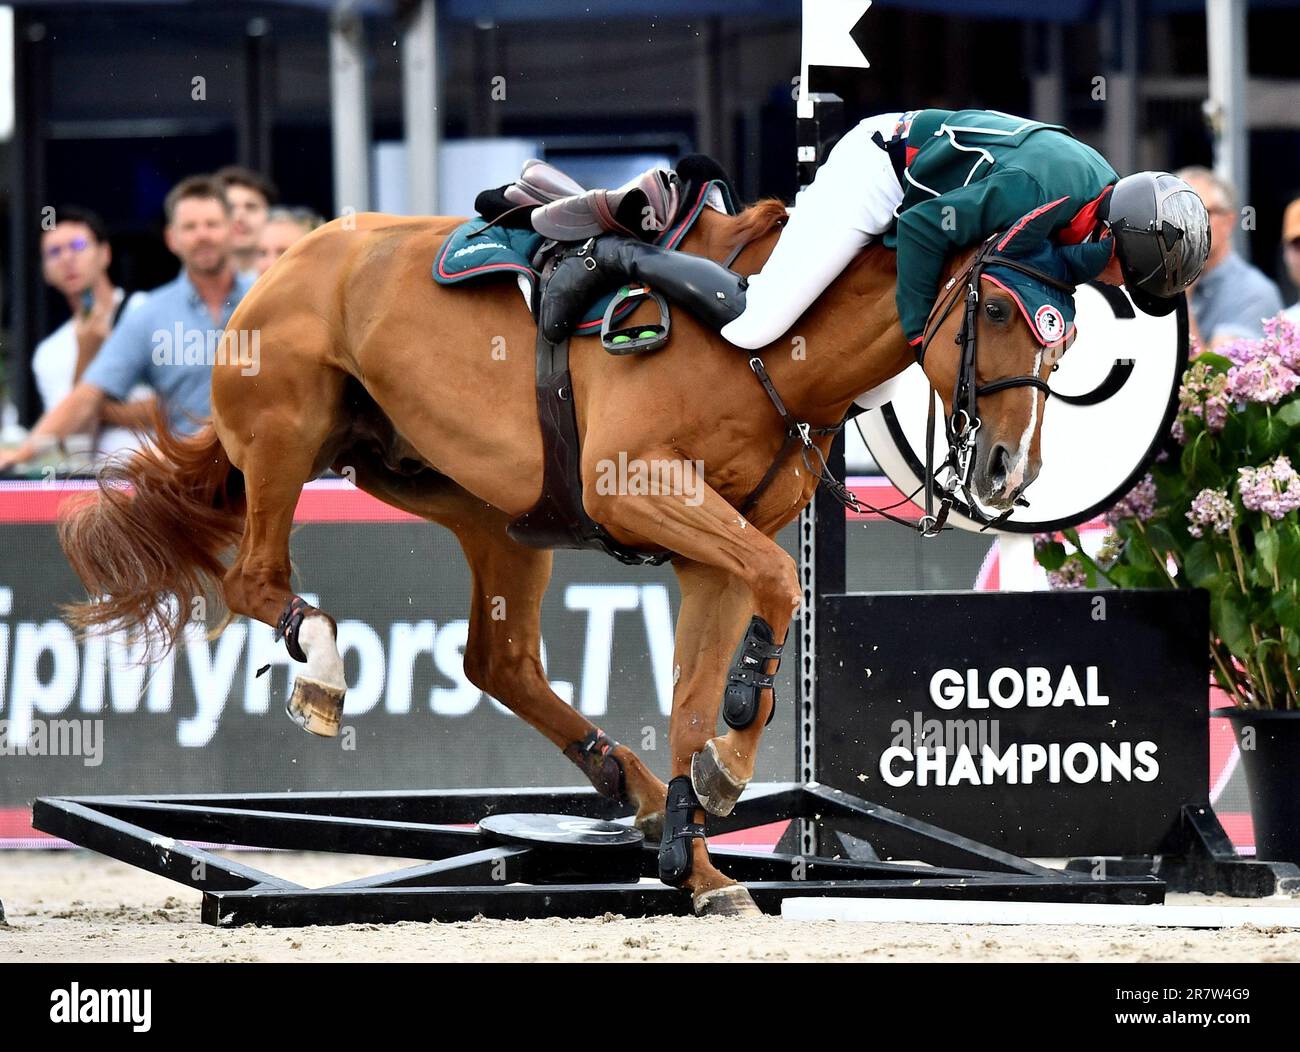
711	292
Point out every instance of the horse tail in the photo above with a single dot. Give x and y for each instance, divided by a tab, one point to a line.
153	536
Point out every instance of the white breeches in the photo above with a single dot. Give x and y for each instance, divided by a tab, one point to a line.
851	199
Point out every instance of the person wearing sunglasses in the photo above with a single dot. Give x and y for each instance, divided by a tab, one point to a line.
75	257
1231	298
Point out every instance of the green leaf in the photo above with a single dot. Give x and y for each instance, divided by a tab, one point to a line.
1287	610
1200	563
1289	414
1233	436
1233	627
1268	434
1288	556
1221	585
1050	556
1160	537
1188	459
1267	544
1267	647
1217	362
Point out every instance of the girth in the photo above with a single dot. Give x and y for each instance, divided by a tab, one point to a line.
558	519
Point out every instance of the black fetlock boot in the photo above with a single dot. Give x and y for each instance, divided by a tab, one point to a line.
708	290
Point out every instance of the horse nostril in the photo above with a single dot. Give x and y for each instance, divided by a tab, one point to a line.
999	465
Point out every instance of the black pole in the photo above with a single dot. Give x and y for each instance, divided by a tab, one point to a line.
29	207
255	116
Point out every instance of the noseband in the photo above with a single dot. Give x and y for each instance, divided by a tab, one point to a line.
961	427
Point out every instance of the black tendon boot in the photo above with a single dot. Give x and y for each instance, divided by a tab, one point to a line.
708	290
680	828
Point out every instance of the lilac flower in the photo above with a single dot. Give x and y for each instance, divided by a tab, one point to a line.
1263	379
1179	431
1072	574
1139	503
1205	394
1283	339
1242	350
1273	489
1210	508
1042	540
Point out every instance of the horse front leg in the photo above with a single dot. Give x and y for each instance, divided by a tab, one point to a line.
731	575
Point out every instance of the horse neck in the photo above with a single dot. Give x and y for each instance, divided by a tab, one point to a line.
848	342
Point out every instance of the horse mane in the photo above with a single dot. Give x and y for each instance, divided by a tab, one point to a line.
758	219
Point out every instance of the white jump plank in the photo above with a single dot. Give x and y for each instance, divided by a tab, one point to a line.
946	911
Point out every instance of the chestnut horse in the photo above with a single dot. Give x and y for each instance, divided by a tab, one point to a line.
425	396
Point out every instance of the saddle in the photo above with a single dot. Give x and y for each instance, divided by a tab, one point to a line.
550	203
555	206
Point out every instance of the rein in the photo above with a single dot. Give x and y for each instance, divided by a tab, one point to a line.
960	429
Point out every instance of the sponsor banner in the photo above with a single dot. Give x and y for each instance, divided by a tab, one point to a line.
1046	724
81	717
85	717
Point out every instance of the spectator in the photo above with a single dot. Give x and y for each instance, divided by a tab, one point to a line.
156	341
1291	251
251	196
75	257
283	227
1231	298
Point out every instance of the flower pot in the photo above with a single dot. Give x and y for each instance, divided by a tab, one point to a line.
1273	778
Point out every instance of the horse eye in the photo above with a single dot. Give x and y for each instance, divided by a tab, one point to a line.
994	311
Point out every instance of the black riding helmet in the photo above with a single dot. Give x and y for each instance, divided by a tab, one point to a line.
1162	237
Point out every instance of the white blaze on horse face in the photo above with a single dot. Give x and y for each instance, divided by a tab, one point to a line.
1016	474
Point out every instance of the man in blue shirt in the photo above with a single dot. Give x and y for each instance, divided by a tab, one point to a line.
172	341
1231	298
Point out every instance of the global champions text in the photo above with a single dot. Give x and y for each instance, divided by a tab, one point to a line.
924	762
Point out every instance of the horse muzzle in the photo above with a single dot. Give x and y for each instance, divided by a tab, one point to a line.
1002	474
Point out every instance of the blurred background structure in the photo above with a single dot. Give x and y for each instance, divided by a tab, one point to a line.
414	105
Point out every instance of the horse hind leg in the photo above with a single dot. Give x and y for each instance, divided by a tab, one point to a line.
503	657
281	454
503	651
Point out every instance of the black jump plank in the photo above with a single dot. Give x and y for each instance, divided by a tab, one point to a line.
147	849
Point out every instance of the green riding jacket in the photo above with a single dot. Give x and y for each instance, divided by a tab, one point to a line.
969	173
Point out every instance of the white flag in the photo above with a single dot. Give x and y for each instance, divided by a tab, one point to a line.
826	40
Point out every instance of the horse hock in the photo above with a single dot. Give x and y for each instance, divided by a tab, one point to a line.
594	757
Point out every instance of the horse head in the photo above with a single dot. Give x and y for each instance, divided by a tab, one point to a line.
1000	324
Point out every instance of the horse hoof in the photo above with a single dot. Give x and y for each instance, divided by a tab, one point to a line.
717	790
651	825
316	707
730	901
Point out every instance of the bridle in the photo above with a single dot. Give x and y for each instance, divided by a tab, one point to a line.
962	426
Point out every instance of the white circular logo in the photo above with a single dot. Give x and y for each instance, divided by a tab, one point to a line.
1050	324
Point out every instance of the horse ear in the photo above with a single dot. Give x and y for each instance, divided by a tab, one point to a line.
1029	232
